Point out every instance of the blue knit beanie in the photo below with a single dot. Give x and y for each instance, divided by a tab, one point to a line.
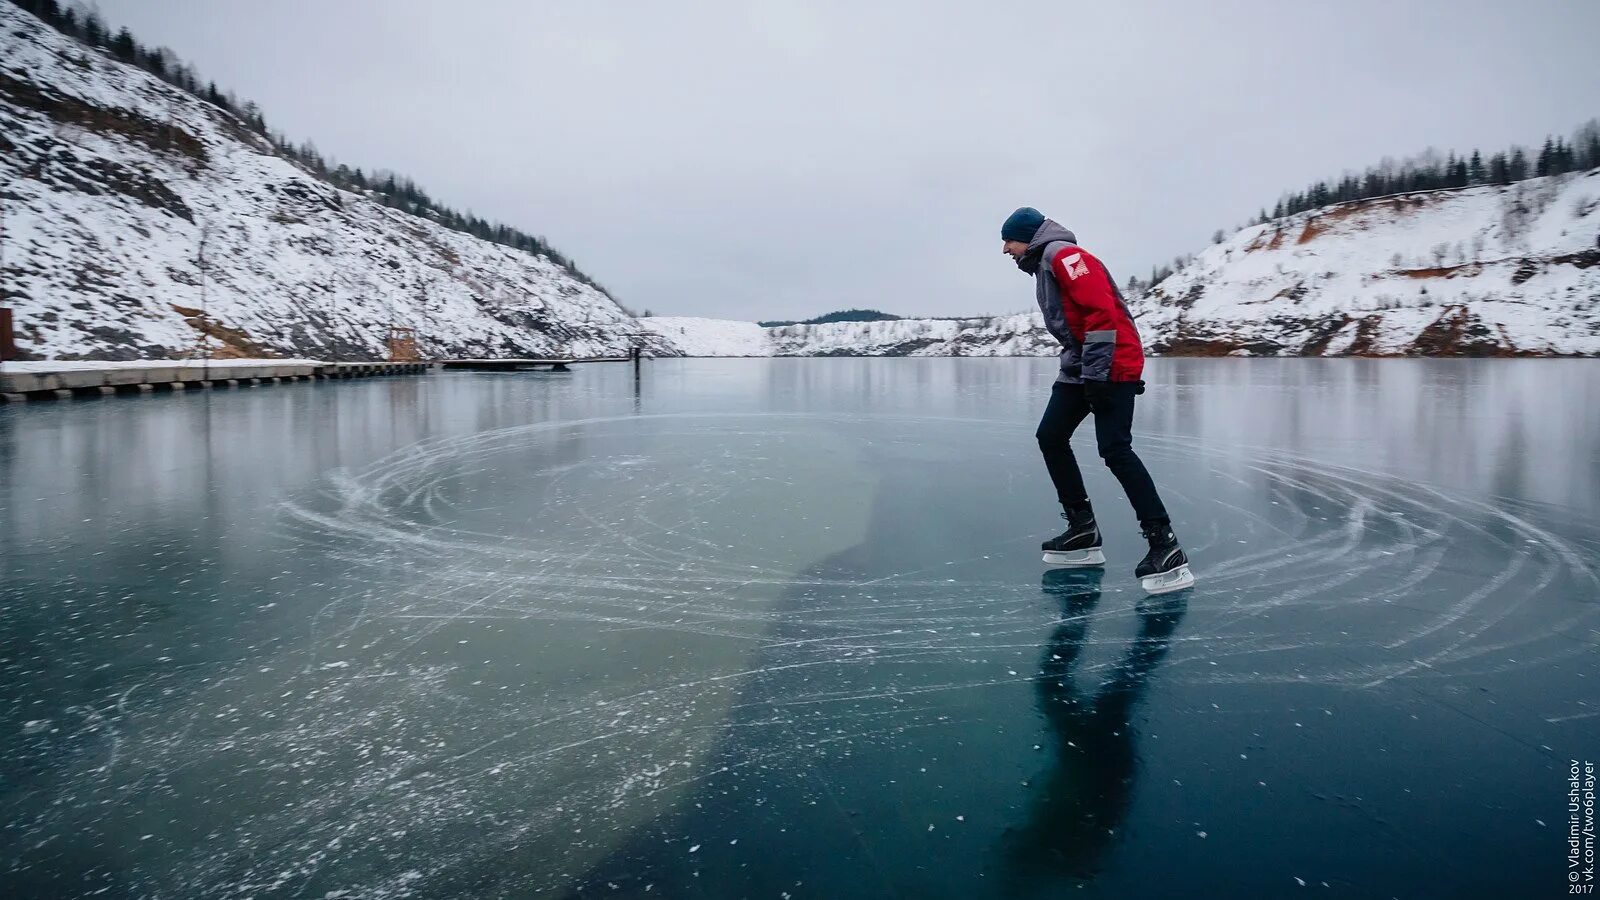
1022	225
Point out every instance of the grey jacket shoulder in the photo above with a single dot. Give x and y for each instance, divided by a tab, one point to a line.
1049	292
1055	238
1046	274
1051	249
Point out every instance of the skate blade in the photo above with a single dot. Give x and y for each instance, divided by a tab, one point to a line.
1090	557
1167	582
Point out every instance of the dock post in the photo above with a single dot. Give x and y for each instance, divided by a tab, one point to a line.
634	352
8	338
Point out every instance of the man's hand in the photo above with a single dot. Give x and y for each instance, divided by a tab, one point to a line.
1098	393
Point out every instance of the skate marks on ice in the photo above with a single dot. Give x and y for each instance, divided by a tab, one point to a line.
519	643
1397	578
513	643
1314	573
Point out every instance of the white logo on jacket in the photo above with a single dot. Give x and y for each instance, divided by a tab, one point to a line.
1074	266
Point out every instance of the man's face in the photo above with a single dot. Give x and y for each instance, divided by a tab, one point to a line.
1014	249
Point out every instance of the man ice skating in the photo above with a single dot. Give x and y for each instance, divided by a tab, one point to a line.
1101	365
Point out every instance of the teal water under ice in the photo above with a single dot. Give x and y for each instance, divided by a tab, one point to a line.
766	628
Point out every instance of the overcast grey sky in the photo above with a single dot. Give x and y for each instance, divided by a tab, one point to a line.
779	159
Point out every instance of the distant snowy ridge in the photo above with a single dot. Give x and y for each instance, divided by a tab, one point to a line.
112	175
694	336
1489	270
1022	334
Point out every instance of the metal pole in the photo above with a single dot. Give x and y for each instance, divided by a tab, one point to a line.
205	343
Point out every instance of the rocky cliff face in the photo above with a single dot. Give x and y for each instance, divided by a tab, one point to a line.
1481	271
137	217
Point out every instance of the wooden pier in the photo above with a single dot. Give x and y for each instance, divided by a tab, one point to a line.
36	382
27	380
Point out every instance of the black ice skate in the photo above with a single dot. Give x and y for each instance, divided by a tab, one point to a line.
1079	545
1165	568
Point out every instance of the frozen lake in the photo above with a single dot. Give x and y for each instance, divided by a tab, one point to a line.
778	628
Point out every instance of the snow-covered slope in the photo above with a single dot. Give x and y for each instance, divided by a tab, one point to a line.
710	337
1022	334
111	175
1473	271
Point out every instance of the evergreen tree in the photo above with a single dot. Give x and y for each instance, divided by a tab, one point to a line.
1587	141
1546	159
48	10
1475	172
123	46
1562	160
1499	169
94	30
155	62
1517	168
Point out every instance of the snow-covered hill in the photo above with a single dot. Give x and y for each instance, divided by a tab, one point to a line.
1491	270
111	176
1022	334
109	179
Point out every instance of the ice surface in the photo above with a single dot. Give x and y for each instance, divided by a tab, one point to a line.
777	626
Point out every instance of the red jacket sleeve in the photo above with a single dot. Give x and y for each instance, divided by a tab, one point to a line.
1085	282
1087	286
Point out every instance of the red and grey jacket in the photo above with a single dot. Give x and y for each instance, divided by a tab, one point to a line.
1083	309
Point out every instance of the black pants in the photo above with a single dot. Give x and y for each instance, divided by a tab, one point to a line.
1113	432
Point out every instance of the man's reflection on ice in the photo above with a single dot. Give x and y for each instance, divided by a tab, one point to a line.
1081	800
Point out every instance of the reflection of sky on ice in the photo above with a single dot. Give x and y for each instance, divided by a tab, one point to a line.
511	633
